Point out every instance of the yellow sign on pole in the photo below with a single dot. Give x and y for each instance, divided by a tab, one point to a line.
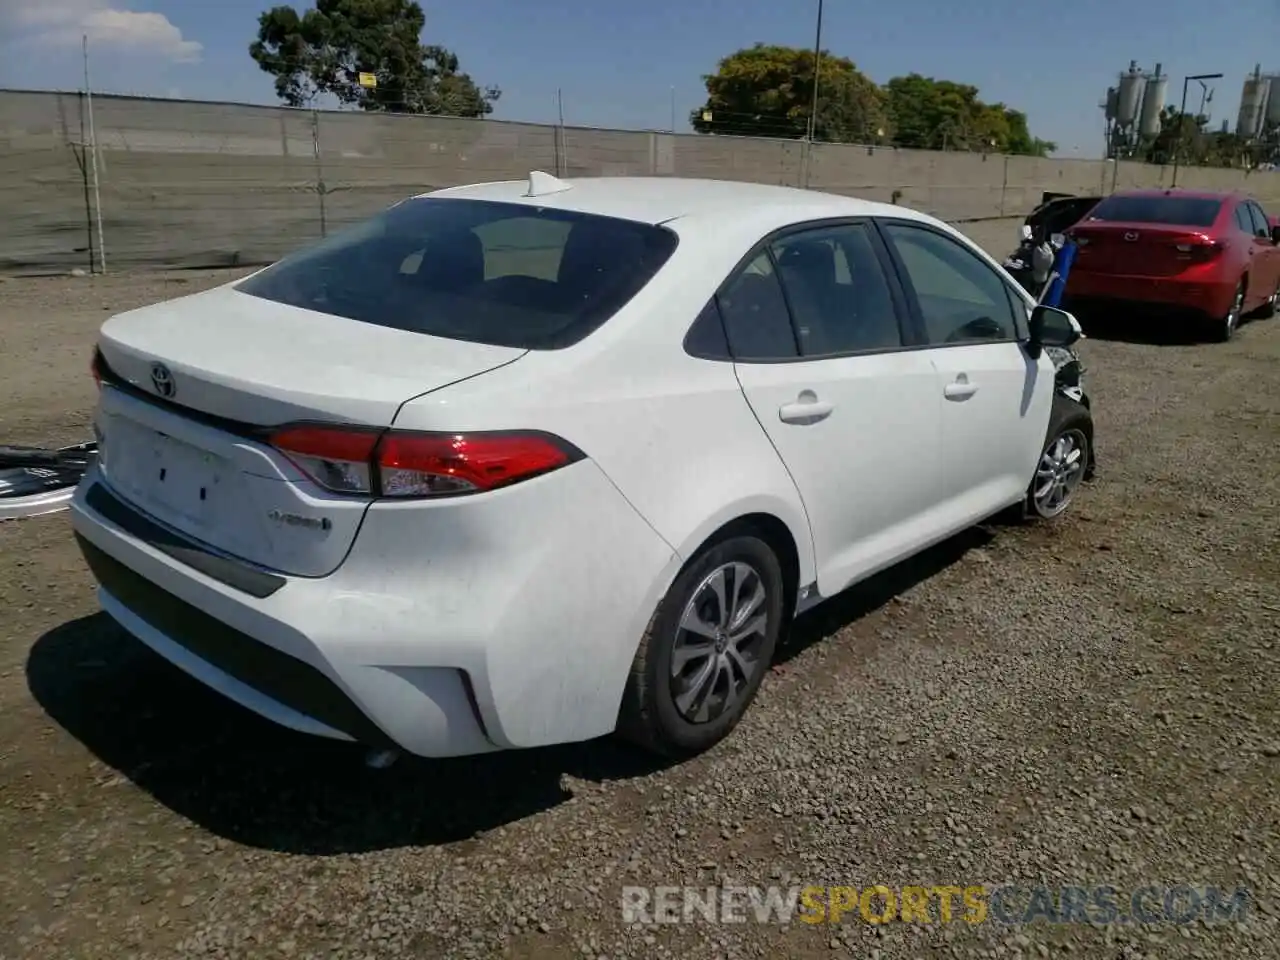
368	80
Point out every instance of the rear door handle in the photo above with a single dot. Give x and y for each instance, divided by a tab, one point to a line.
806	409
960	388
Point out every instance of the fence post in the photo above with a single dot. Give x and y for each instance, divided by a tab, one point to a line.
320	187
1004	184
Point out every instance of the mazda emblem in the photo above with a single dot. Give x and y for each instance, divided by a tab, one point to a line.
1131	236
162	380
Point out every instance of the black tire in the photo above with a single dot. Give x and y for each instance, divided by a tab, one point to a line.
1066	417
1224	328
1268	309
649	716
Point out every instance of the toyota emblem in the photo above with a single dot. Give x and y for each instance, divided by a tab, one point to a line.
1131	236
162	380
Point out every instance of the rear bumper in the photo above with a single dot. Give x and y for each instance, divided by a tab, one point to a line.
1163	295
435	636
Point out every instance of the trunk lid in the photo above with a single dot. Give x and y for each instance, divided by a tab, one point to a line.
183	448
1139	249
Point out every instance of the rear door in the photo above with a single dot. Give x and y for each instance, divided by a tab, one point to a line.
1264	271
815	325
995	398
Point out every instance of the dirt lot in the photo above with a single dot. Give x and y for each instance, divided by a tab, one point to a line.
1089	702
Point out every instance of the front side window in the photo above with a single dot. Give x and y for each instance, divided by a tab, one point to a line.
838	292
961	298
506	274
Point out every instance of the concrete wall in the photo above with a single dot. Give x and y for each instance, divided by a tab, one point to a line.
207	184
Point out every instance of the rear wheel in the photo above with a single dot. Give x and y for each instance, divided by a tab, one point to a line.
707	649
1269	308
1225	328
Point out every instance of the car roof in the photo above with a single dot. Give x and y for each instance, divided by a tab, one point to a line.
658	199
1180	192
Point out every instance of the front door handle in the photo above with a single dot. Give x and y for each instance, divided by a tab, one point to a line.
960	388
806	409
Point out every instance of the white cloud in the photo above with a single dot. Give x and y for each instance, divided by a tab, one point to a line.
63	23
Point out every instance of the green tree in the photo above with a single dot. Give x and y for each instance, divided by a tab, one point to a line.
931	114
324	51
767	91
1186	136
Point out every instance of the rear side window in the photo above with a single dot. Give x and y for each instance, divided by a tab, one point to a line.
1261	228
837	290
755	313
510	275
1243	220
1171	210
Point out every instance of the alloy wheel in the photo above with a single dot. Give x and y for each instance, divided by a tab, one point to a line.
1232	320
718	642
1060	472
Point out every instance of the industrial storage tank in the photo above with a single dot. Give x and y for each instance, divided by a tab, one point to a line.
1153	104
1253	104
1113	97
1273	102
1129	95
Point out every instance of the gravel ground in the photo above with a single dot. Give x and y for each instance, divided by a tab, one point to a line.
1086	702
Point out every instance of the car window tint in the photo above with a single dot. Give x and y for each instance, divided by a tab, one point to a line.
836	286
755	313
706	338
523	247
1261	228
1158	208
961	298
1243	220
498	273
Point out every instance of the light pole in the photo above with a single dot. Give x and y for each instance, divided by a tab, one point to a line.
817	56
1182	123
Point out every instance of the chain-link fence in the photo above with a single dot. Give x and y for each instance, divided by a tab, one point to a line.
187	184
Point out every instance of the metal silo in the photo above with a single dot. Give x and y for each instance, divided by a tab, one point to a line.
1153	104
1253	104
1113	100
1273	102
1129	95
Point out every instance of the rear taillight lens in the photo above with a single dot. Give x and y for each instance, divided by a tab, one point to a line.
1199	249
408	464
336	458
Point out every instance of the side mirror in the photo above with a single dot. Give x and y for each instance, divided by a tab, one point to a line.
1051	327
1275	234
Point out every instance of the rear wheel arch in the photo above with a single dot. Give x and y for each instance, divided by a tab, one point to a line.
778	536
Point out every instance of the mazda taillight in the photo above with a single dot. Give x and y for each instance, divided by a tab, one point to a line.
407	464
1199	248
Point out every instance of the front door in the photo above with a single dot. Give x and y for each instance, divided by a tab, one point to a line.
995	399
815	326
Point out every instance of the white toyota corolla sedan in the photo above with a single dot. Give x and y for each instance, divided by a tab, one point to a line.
525	463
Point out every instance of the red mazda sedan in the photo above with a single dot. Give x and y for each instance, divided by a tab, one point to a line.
1212	256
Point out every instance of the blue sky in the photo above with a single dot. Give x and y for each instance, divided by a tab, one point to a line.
618	62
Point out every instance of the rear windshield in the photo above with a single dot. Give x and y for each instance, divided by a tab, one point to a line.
499	273
1175	211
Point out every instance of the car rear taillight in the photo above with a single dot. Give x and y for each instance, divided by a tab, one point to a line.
407	464
1198	248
